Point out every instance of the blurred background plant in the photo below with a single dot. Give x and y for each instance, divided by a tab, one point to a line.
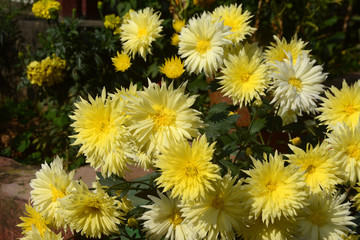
34	119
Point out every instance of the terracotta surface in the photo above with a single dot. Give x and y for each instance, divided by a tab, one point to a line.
15	191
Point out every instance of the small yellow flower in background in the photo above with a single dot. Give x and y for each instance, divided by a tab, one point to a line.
345	146
244	77
341	105
35	234
277	51
275	191
296	141
162	116
234	17
50	185
111	21
100	5
93	213
121	61
220	214
325	216
138	33
172	68
165	219
321	170
33	218
49	71
202	44
175	39
178	24
46	8
187	169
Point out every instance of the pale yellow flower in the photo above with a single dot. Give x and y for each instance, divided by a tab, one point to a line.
51	184
92	213
187	169
322	170
341	105
138	32
164	219
244	77
161	116
234	17
274	190
201	44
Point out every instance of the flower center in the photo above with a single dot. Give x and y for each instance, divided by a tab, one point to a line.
318	218
218	203
350	110
191	170
56	193
141	32
176	218
163	117
296	83
353	150
203	46
245	77
104	126
311	169
271	186
94	205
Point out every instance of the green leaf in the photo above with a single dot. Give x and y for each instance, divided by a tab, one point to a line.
257	125
230	166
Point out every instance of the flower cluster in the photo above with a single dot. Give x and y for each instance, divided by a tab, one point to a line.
198	190
48	71
46	8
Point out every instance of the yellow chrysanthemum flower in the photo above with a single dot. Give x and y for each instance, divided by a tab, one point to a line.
324	217
46	8
33	218
172	68
137	33
121	61
178	24
277	51
187	169
341	105
322	172
35	234
175	39
244	77
165	219
162	116
280	229
50	185
221	213
201	44
345	146
296	87
356	199
234	17
92	213
49	71
100	129
112	22
274	190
